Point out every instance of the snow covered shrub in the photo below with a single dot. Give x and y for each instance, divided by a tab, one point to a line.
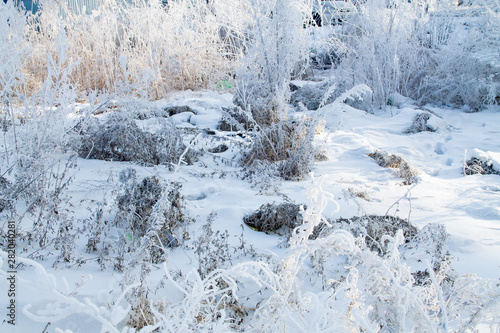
402	168
278	44
5	188
212	249
464	70
429	51
149	214
379	48
141	312
38	202
280	219
211	297
119	138
476	166
286	145
420	124
372	228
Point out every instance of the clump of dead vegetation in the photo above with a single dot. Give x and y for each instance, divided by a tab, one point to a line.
287	146
475	166
150	213
373	228
119	138
149	208
420	124
400	166
275	218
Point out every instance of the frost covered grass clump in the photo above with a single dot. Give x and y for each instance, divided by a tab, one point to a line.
374	229
280	219
419	124
149	216
119	138
476	166
137	202
401	167
287	147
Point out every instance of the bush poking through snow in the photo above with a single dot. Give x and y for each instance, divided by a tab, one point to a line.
475	166
373	228
120	139
212	248
152	210
420	124
274	218
279	47
286	144
402	168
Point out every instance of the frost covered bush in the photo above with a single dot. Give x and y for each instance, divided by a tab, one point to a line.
464	70
429	245
278	44
280	219
14	50
380	48
420	124
476	166
41	167
149	213
287	146
372	228
212	249
37	148
433	52
119	138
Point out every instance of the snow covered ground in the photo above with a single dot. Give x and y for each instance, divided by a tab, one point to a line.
468	206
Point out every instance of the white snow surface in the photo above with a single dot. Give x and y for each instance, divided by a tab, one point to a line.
468	206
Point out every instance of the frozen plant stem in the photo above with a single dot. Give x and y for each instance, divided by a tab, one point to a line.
442	304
